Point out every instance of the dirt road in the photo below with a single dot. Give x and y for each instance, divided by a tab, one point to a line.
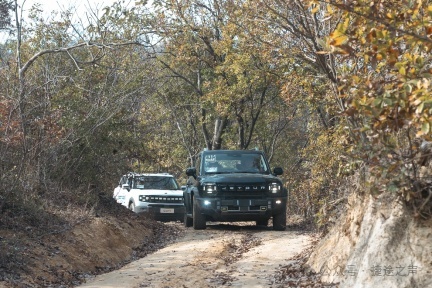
222	255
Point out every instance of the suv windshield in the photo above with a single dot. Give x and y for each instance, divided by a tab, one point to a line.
234	163
156	182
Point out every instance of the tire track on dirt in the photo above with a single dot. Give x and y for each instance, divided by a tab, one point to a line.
220	256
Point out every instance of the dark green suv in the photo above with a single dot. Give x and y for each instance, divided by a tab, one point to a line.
234	185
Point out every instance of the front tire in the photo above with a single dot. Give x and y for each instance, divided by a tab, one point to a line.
132	207
279	221
198	220
187	221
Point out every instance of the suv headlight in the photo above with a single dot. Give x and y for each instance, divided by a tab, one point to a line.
210	188
143	198
274	188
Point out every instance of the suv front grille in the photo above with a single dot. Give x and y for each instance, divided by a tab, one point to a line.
162	199
236	191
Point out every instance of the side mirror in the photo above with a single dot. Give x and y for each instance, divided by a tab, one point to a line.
183	187
277	171
126	186
191	171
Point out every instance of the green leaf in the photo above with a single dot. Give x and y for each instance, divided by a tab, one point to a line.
420	107
408	88
377	102
425	128
388	101
393	188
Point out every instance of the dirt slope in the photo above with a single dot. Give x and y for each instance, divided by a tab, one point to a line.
64	255
378	243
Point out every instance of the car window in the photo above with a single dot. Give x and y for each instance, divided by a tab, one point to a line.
229	162
156	182
139	183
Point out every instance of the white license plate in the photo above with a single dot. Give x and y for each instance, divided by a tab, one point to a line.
166	210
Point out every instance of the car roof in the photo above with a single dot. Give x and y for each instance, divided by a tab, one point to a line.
133	174
232	151
156	174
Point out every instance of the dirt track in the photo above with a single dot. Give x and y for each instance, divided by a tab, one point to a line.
220	256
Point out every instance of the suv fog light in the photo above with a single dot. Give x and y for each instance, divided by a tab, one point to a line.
206	202
278	201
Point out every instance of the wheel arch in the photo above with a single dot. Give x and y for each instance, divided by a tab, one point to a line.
131	200
189	204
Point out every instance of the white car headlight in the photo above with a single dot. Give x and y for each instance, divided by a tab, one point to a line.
210	188
274	188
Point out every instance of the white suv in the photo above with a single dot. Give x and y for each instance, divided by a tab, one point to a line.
156	193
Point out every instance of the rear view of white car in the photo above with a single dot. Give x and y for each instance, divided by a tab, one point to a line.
155	193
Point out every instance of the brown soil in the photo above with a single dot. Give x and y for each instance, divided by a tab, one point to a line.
234	254
129	250
65	254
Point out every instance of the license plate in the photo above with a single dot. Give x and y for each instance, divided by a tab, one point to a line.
166	210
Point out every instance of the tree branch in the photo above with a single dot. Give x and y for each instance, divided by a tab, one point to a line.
27	65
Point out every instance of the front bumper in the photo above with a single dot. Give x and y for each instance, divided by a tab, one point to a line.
120	199
241	209
163	212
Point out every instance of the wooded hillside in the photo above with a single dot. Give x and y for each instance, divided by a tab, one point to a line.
336	92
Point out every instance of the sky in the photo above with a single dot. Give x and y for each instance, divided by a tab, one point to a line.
59	5
81	6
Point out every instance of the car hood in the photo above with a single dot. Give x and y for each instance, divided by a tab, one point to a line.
239	178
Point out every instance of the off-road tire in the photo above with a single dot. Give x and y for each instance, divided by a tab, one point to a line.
187	221
279	221
198	220
132	207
